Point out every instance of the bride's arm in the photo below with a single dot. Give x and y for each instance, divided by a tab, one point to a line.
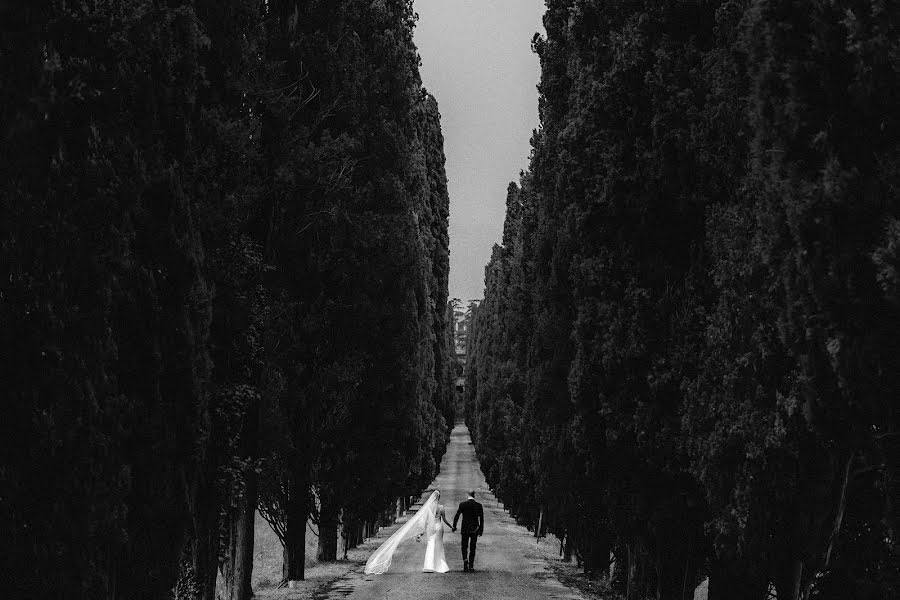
444	518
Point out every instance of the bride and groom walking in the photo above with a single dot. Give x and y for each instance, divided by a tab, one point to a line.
429	521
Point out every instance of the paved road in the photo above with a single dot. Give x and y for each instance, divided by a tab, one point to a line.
509	563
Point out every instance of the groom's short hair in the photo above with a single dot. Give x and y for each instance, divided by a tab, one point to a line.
472	493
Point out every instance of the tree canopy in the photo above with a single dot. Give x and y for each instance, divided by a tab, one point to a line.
223	231
686	353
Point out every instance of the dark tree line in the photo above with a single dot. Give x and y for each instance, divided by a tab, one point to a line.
687	353
224	254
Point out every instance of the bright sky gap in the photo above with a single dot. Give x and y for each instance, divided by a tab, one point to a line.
477	61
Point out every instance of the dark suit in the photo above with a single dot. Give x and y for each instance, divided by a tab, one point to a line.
472	526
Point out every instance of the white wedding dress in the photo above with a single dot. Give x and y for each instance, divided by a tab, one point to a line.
428	521
434	551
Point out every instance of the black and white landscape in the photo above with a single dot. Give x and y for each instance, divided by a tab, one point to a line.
232	366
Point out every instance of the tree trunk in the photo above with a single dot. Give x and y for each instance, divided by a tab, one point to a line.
671	575
345	536
295	531
787	580
736	580
636	582
243	525
242	518
197	579
595	553
208	562
890	448
328	529
795	575
631	587
839	501
677	560
619	579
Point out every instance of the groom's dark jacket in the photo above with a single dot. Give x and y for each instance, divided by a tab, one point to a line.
472	517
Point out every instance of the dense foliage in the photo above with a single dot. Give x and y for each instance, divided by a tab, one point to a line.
686	356
223	235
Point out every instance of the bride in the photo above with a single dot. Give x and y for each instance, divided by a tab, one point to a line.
428	520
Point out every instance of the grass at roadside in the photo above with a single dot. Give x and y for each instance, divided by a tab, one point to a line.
267	554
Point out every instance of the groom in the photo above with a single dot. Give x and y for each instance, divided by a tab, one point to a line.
472	527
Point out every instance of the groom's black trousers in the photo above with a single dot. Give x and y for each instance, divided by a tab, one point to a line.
469	540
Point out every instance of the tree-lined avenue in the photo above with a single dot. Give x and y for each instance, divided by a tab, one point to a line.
508	562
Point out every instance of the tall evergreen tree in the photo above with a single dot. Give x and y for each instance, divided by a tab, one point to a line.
710	249
214	290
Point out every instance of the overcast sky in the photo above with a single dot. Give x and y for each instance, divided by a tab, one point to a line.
477	62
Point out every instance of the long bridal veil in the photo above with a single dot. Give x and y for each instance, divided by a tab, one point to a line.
380	561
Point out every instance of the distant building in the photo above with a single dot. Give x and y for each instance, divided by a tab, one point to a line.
460	334
462	321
